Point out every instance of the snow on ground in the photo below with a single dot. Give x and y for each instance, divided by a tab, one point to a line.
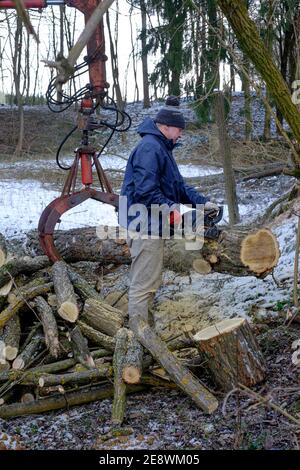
23	201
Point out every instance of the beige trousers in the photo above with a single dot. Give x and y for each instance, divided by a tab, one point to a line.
145	275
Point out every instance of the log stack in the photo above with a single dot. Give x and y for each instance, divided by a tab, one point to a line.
68	344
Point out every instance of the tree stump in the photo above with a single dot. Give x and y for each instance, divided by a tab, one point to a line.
232	353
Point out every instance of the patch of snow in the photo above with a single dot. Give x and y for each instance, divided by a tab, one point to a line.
22	203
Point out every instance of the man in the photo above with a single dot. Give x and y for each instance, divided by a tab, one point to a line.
152	178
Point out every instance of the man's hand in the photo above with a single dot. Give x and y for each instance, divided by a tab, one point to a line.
209	206
175	217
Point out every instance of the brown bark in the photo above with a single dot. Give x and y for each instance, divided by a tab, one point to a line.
232	353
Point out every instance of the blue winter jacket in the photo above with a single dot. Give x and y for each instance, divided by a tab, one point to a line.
152	175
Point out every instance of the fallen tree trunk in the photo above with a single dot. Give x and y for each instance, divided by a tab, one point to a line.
231	353
81	244
236	252
79	397
76	378
180	374
239	252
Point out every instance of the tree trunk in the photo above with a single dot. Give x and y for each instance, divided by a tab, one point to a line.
79	397
80	348
29	353
232	353
133	361
230	186
97	337
82	244
83	287
11	335
269	46
251	43
181	375
27	295
66	299
76	378
239	252
49	325
119	403
146	100
24	265
102	317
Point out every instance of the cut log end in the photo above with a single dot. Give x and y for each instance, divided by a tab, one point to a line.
10	353
5	290
260	251
131	375
18	364
69	311
225	326
201	266
27	398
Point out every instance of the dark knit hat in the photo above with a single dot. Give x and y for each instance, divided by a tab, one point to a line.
170	115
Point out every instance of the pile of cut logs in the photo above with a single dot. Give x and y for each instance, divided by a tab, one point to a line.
62	344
